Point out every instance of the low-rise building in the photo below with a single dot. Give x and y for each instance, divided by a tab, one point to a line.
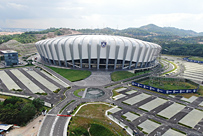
10	57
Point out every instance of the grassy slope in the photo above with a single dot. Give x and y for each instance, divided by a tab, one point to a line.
70	74
119	75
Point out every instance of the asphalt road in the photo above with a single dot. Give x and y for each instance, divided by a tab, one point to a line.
55	126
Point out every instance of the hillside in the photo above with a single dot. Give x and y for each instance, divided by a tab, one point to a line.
23	49
169	31
173	40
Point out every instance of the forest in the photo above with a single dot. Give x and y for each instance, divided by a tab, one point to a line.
15	110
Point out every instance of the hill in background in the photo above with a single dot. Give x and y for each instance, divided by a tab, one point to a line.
169	31
174	41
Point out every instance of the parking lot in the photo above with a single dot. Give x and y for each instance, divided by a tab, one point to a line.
32	82
154	115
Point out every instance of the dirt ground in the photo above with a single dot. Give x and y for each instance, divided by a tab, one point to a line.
10	33
30	130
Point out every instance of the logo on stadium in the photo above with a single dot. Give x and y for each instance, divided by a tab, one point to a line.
103	44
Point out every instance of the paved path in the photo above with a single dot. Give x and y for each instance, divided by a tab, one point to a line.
97	78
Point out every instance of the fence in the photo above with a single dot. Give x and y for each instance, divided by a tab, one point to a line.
195	61
164	91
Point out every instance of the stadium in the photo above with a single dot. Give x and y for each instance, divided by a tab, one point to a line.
98	52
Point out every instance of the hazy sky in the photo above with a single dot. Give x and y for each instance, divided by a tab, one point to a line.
185	14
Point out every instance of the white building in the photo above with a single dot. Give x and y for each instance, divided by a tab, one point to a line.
98	52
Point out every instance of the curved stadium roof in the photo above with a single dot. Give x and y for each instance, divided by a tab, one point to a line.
98	51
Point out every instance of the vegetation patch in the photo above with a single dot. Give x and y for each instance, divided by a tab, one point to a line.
77	91
92	117
71	74
143	109
41	93
126	103
179	131
120	75
155	121
175	67
196	58
184	125
135	113
17	90
168	84
115	93
15	110
112	85
124	117
161	116
57	90
99	130
140	128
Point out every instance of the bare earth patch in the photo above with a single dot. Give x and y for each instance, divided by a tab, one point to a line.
30	130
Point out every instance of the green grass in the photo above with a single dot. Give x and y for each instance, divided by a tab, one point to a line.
92	117
169	85
114	91
143	109
124	117
71	74
126	103
57	90
41	93
184	125
179	131
80	131
135	113
6	97
120	75
17	90
140	128
77	91
99	130
175	67
196	58
161	116
155	121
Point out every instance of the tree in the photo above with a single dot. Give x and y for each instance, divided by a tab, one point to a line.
38	103
27	113
12	100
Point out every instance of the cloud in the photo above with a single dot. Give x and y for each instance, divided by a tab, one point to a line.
17	6
101	13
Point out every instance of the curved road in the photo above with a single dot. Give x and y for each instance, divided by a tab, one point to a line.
54	125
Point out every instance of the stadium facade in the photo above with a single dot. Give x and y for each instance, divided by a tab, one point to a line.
98	52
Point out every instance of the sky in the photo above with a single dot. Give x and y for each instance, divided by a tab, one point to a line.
117	14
